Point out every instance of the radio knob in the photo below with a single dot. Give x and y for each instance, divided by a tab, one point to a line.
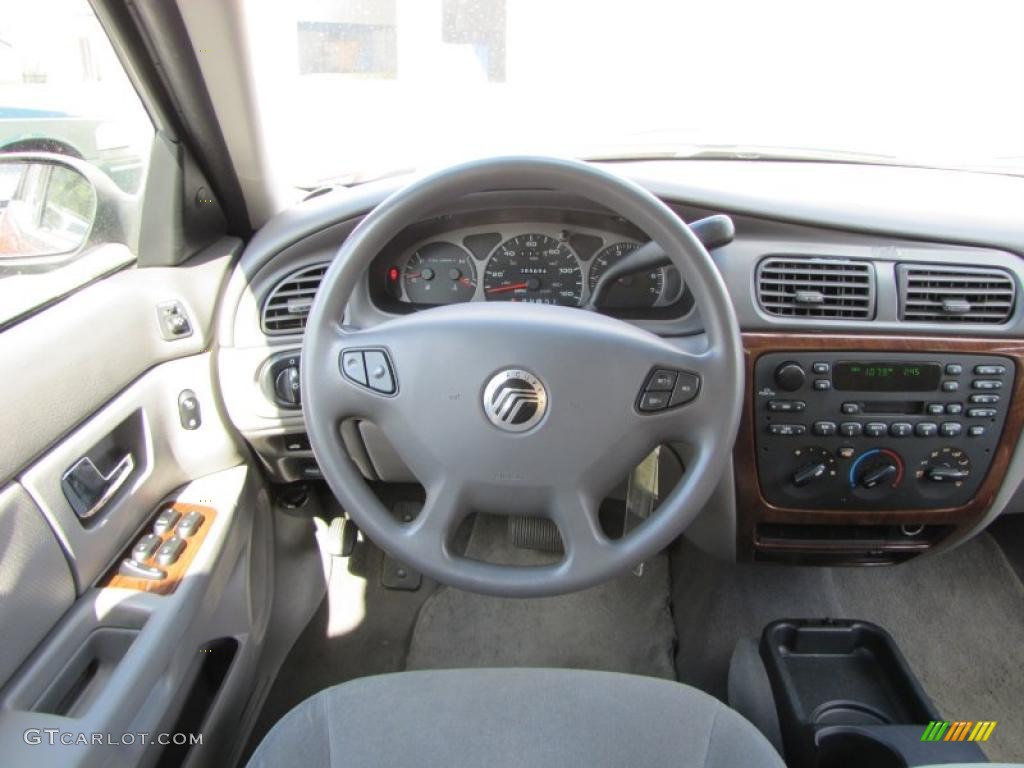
790	376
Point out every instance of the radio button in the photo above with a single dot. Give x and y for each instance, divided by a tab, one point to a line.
822	384
824	428
954	369
901	429
850	409
981	413
935	409
787	430
990	370
954	409
786	406
985	399
975	431
926	429
950	386
987	384
951	429
851	429
821	368
876	429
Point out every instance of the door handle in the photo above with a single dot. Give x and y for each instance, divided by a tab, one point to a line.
88	490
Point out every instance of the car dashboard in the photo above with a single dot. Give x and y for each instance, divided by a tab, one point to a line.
837	274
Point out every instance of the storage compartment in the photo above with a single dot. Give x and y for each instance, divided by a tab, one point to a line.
86	674
844	694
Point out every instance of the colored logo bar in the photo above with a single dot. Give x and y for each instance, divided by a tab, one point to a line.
958	730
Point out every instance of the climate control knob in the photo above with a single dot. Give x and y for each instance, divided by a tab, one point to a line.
878	468
790	376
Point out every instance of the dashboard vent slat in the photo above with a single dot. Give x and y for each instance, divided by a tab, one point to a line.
934	293
813	287
288	304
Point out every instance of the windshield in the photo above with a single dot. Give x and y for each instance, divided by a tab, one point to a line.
354	89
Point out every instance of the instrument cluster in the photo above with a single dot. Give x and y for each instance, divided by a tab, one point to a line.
534	261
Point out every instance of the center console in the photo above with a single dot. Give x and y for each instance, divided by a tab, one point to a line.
870	449
865	430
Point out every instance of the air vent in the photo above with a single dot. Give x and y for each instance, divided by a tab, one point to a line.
931	293
286	308
822	288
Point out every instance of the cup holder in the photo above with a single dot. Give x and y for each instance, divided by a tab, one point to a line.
845	749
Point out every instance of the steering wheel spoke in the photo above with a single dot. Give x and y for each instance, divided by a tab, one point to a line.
575	514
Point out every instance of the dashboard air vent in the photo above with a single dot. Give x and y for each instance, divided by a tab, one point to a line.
286	307
931	293
823	288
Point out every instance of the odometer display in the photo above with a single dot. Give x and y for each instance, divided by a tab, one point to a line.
534	268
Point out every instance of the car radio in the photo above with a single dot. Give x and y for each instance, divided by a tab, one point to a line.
862	430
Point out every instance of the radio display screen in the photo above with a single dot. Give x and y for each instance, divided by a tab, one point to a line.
886	376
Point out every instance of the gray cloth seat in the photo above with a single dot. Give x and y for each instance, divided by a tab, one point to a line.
513	717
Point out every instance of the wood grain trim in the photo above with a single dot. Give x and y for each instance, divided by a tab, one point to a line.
752	508
176	571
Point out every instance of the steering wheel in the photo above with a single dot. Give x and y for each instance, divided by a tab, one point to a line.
521	409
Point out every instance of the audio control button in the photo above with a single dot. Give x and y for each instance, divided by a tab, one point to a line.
786	406
901	429
851	429
787	430
850	409
981	413
951	429
926	429
987	384
990	370
951	386
822	369
954	409
975	431
935	409
954	369
824	428
876	429
822	384
984	399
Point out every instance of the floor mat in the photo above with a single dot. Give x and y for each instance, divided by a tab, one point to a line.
958	619
624	625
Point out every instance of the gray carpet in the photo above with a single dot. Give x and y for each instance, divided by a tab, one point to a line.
624	625
957	617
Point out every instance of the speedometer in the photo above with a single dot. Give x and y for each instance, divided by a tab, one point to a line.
534	268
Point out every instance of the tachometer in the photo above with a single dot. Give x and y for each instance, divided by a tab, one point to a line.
534	268
641	289
439	273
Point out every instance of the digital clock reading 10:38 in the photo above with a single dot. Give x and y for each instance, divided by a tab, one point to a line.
886	376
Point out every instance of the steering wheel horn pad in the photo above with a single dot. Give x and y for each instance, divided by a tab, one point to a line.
519	408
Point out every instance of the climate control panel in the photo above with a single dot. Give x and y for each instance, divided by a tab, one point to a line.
859	430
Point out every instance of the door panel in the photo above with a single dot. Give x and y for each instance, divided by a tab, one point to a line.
36	587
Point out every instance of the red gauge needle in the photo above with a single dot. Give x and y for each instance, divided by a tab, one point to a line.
504	288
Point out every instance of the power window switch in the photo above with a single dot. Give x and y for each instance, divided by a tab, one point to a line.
189	525
145	547
169	553
136	570
165	521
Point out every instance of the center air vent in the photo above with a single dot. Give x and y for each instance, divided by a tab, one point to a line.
931	293
288	304
808	287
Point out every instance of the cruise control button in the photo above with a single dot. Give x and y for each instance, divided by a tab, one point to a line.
990	370
901	429
824	428
926	429
787	430
951	429
353	366
169	553
981	413
876	429
987	384
687	385
661	381
378	371
654	401
851	429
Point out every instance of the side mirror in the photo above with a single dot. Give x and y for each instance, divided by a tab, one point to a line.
52	207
